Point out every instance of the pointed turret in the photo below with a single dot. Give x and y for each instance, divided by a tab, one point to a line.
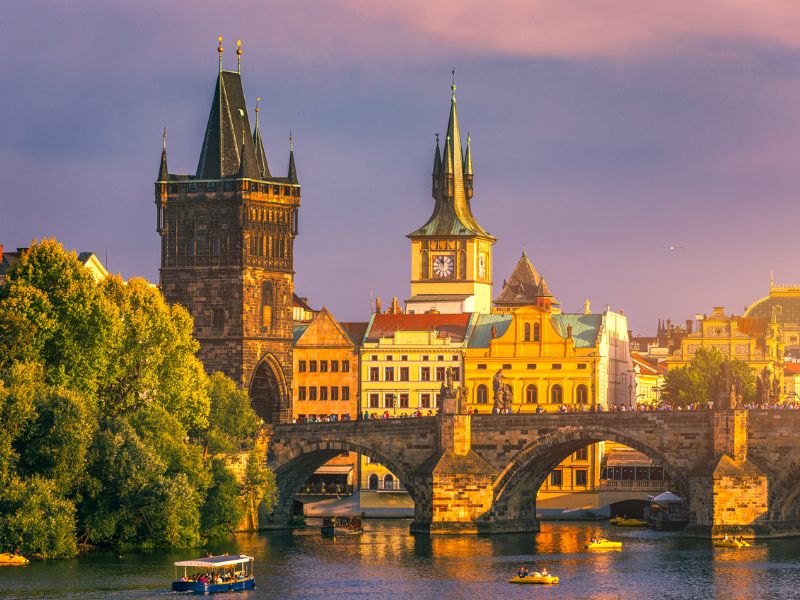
468	174
437	168
258	143
525	287
292	168
163	172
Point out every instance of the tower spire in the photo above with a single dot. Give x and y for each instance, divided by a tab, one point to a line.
261	156
238	56
468	175
220	50
292	168
437	167
163	173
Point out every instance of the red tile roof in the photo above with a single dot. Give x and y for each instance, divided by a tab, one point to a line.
791	368
645	366
384	325
355	330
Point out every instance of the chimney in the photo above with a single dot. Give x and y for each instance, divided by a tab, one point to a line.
395	308
1	251
378	305
689	325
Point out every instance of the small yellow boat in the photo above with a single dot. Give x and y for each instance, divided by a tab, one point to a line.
6	558
614	520
631	523
604	545
729	543
534	578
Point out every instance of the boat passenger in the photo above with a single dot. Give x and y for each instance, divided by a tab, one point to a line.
544	573
522	573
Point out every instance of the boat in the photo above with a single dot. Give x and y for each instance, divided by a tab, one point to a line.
731	543
7	558
667	512
631	523
214	574
614	520
534	578
336	526
604	545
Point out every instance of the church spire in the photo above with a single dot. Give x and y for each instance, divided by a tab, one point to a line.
437	167
468	175
163	173
292	168
261	156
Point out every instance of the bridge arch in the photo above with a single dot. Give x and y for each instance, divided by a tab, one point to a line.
294	469
516	486
784	496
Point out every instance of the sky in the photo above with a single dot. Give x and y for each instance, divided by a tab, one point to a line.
602	133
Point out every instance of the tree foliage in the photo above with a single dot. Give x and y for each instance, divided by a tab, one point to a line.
110	430
700	381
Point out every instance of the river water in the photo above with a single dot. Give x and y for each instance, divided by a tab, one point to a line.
388	562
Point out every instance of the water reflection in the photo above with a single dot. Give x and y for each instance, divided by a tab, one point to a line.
388	562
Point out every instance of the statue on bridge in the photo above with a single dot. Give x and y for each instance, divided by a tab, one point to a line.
453	397
503	393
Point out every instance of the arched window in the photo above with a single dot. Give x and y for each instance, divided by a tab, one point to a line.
535	332
556	394
424	263
526	336
482	394
581	395
267	305
388	482
373	482
531	394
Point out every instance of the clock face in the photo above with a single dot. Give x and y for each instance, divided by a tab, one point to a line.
443	265
482	266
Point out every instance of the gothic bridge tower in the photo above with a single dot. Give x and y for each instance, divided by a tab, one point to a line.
227	248
451	255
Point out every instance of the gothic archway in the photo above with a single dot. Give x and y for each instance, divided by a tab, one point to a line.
268	394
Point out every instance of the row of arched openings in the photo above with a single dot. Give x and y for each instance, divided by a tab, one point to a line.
374	482
532	394
526	332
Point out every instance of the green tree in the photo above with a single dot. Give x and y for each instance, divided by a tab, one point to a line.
233	424
223	510
35	519
258	486
700	381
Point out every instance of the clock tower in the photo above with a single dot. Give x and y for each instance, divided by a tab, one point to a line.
451	255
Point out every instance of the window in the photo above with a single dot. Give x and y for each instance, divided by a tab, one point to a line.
334	366
301	366
531	366
389	401
535	332
345	366
531	394
323	366
456	373
301	392
403	373
345	393
389	358
582	454
481	367
404	357
374	401
334	392
312	366
424	400
388	482
389	373
482	395
526	335
312	393
403	400
580	477
582	366
556	366
555	477
581	394
440	357
425	374
374	374
217	318
454	357
425	357
267	305
372	482
507	367
556	394
323	393
440	373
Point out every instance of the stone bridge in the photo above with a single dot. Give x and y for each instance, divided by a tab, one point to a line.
739	469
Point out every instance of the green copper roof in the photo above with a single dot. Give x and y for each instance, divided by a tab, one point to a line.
585	328
298	331
481	334
452	214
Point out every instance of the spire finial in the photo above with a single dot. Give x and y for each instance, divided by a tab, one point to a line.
220	50
258	109
238	56
436	135
291	146
164	139
453	85
771	280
